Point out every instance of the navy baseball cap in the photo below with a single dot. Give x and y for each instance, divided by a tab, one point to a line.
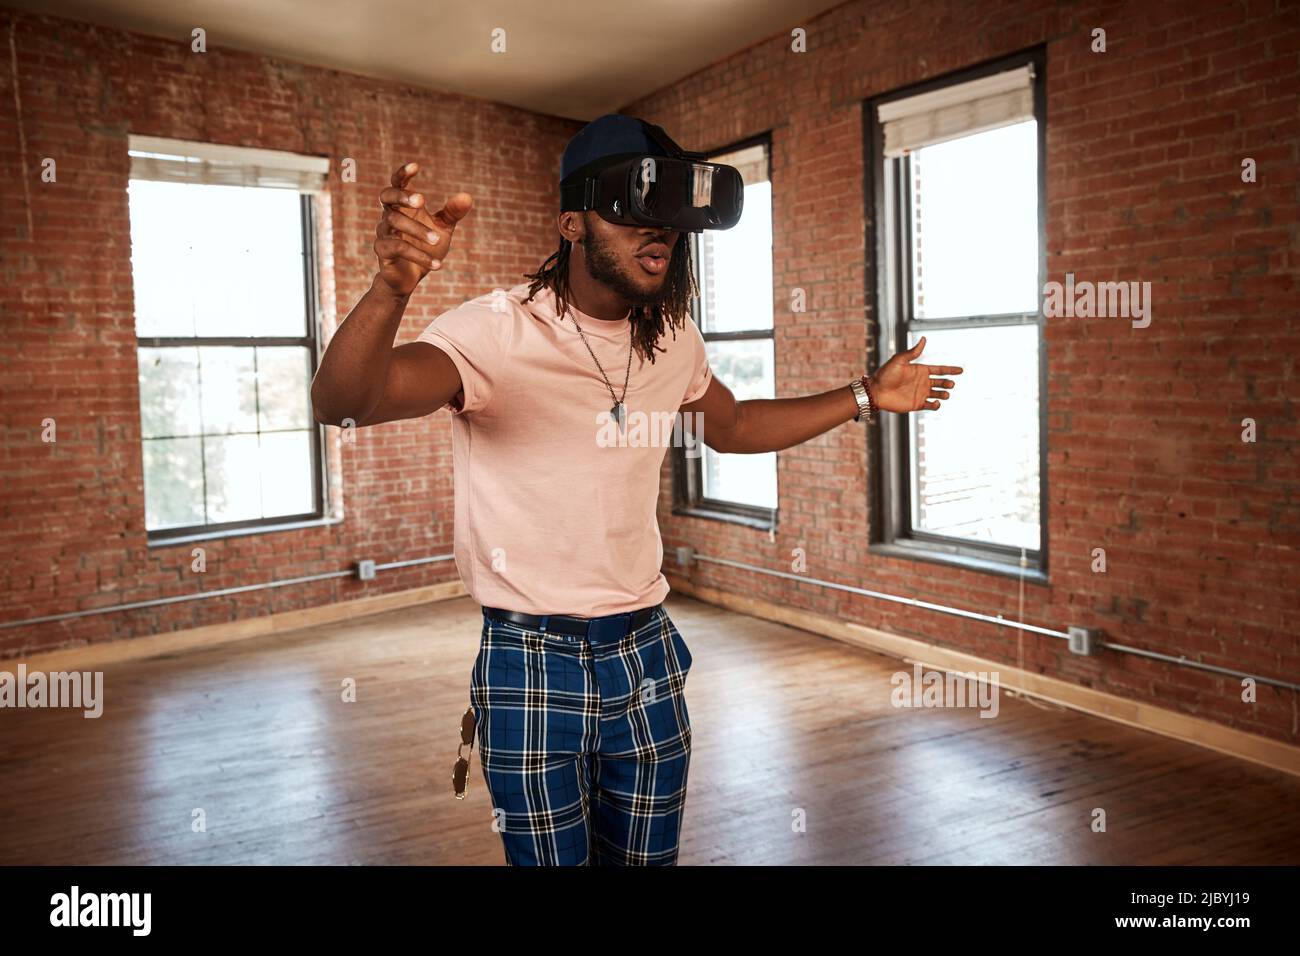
605	138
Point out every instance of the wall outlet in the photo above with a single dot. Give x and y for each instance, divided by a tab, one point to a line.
366	570
1085	640
685	556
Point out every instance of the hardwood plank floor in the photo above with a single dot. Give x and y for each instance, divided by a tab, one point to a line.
786	724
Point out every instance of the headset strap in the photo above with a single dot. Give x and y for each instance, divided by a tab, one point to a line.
579	194
660	136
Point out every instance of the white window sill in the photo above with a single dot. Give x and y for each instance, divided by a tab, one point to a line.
244	532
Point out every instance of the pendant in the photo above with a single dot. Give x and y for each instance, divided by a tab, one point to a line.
619	414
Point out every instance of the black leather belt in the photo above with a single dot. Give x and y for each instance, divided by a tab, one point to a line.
609	625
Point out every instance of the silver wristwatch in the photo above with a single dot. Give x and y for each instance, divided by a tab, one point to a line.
864	400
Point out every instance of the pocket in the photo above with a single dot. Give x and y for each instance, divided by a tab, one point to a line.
475	682
682	666
683	653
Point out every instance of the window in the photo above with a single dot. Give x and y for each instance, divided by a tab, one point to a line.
958	170
733	268
222	267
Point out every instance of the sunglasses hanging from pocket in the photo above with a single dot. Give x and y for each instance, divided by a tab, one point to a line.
460	772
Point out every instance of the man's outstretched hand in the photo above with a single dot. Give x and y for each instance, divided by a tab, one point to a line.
899	386
412	241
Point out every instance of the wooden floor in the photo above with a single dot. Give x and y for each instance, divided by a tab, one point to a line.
785	723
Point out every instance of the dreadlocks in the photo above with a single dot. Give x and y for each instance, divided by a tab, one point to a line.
647	321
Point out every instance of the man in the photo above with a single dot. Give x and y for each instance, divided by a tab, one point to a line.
577	690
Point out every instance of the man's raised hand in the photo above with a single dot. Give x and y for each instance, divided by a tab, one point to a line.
411	241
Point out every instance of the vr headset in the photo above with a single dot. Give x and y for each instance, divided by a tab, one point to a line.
680	191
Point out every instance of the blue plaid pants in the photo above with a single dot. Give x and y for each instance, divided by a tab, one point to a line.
584	742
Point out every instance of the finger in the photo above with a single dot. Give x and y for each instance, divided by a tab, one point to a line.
932	405
455	209
391	249
422	236
393	197
403	174
943	383
916	349
945	369
938	393
385	230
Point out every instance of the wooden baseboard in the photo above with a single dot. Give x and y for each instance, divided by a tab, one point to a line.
91	656
1158	720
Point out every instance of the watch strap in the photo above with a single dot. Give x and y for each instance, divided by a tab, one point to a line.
864	399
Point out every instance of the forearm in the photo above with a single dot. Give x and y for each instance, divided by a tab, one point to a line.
354	368
771	424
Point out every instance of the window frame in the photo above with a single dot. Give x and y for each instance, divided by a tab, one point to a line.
310	340
889	270
688	475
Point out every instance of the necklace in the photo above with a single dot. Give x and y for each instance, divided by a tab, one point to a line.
619	411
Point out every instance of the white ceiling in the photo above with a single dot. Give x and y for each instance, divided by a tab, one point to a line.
571	58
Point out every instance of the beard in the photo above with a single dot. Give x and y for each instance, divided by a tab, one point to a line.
603	265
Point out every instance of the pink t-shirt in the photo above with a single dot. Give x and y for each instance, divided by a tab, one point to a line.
555	510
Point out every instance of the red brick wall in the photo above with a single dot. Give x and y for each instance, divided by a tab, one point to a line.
73	533
1145	458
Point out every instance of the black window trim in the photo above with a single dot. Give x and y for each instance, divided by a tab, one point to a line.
688	497
888	288
311	342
